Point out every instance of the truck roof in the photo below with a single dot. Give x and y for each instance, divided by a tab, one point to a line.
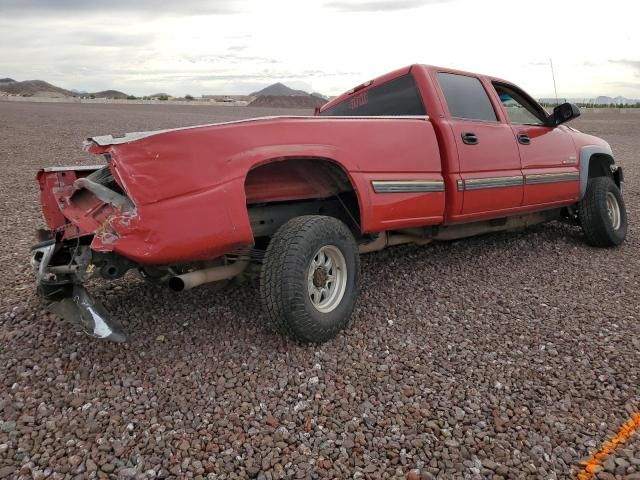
398	73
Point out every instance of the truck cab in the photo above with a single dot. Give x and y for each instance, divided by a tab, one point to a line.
501	152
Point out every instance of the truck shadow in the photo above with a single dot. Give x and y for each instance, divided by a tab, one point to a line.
210	317
209	314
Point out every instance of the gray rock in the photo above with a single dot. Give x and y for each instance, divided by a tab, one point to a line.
8	426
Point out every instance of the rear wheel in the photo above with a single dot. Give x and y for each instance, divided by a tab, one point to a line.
309	278
602	212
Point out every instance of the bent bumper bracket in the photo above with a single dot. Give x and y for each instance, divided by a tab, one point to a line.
64	295
89	314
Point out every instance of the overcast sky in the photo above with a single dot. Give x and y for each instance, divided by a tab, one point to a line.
237	46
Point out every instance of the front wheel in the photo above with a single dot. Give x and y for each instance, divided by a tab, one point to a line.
309	278
602	212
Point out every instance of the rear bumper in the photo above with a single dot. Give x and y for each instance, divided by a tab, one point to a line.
60	287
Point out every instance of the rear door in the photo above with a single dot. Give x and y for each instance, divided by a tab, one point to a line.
548	155
490	179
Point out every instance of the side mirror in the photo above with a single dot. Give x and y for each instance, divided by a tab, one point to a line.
563	113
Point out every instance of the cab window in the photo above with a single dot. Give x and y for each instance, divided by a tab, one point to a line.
466	97
396	97
520	109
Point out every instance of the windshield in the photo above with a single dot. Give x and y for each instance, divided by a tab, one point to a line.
393	98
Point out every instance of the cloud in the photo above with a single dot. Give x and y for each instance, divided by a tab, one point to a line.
115	39
264	75
21	8
228	58
77	39
623	84
378	5
634	64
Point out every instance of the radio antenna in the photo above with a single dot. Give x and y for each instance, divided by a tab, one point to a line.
553	75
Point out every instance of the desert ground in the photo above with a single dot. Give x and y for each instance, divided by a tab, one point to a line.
506	356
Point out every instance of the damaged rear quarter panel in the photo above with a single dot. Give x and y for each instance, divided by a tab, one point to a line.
189	198
188	184
194	226
184	207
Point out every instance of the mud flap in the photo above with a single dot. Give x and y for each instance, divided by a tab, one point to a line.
88	314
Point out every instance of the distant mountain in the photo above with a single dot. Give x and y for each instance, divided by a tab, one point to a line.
552	101
110	94
34	88
279	90
40	88
288	101
601	100
277	93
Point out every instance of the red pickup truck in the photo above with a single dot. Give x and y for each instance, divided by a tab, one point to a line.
420	154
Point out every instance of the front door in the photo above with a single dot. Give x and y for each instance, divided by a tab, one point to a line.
490	175
548	155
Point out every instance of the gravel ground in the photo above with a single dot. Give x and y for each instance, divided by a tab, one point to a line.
506	356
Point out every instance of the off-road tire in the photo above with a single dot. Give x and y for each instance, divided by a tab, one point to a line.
284	290
594	217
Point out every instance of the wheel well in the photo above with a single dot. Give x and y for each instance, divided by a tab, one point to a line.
282	189
599	165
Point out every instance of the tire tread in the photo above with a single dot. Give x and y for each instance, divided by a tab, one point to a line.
280	294
593	214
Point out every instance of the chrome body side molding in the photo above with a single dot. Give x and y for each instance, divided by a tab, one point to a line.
538	178
515	180
407	186
489	182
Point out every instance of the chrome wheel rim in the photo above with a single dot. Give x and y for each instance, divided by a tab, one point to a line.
613	210
327	278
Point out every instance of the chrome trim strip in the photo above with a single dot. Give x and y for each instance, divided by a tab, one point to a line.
492	182
515	181
405	186
538	178
79	168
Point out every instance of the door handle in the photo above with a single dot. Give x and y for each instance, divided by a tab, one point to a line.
469	138
524	139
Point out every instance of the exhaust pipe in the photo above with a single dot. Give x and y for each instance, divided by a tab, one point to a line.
189	280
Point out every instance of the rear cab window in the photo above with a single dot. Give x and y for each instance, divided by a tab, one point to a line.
397	97
466	97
